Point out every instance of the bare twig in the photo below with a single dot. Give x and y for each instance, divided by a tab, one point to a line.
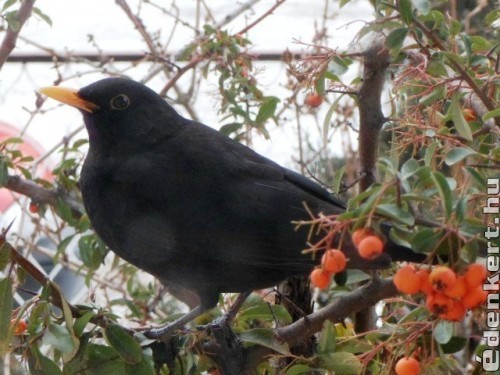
10	38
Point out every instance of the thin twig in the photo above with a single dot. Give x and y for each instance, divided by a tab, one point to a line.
10	38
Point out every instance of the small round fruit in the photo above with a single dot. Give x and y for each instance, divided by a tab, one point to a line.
469	114
20	327
475	275
407	281
370	247
474	297
320	278
425	284
360	234
333	261
458	289
34	208
314	100
456	312
438	303
407	366
442	278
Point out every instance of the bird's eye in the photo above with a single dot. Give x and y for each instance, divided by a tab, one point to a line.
120	102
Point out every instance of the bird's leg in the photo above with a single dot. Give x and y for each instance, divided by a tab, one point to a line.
165	332
233	310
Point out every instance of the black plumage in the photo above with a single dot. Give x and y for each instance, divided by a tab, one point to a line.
189	205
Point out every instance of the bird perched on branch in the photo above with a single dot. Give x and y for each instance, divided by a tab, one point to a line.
189	205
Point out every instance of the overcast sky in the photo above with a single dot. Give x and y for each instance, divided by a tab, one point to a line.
73	21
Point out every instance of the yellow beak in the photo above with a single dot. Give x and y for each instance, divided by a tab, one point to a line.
68	96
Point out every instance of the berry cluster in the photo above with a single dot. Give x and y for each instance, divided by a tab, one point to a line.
448	295
369	246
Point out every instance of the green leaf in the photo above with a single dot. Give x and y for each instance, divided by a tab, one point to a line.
82	322
396	38
430	152
444	192
40	364
42	15
4	256
438	93
103	360
491	114
461	125
337	179
458	154
409	168
59	337
341	363
8	4
328	118
319	85
443	331
267	109
395	213
344	2
142	368
299	369
327	340
266	338
337	66
6	301
123	343
425	240
455	344
405	10
423	6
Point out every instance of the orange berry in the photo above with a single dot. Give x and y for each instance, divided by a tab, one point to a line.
475	275
407	281
34	208
360	234
456	312
407	366
438	303
442	278
321	278
458	289
314	100
333	261
474	297
370	247
425	284
469	114
21	326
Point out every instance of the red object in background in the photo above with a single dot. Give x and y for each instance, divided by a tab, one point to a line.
28	148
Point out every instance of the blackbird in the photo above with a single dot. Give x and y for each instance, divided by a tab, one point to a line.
189	205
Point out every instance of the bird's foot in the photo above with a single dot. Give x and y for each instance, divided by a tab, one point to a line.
165	332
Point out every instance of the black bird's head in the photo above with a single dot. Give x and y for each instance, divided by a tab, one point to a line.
119	112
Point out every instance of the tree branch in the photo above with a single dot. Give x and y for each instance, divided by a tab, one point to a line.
376	61
40	194
367	295
10	38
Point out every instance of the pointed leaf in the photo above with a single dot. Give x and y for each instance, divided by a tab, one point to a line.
6	301
123	343
267	109
405	10
458	154
264	337
396	213
443	331
461	125
444	192
341	363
